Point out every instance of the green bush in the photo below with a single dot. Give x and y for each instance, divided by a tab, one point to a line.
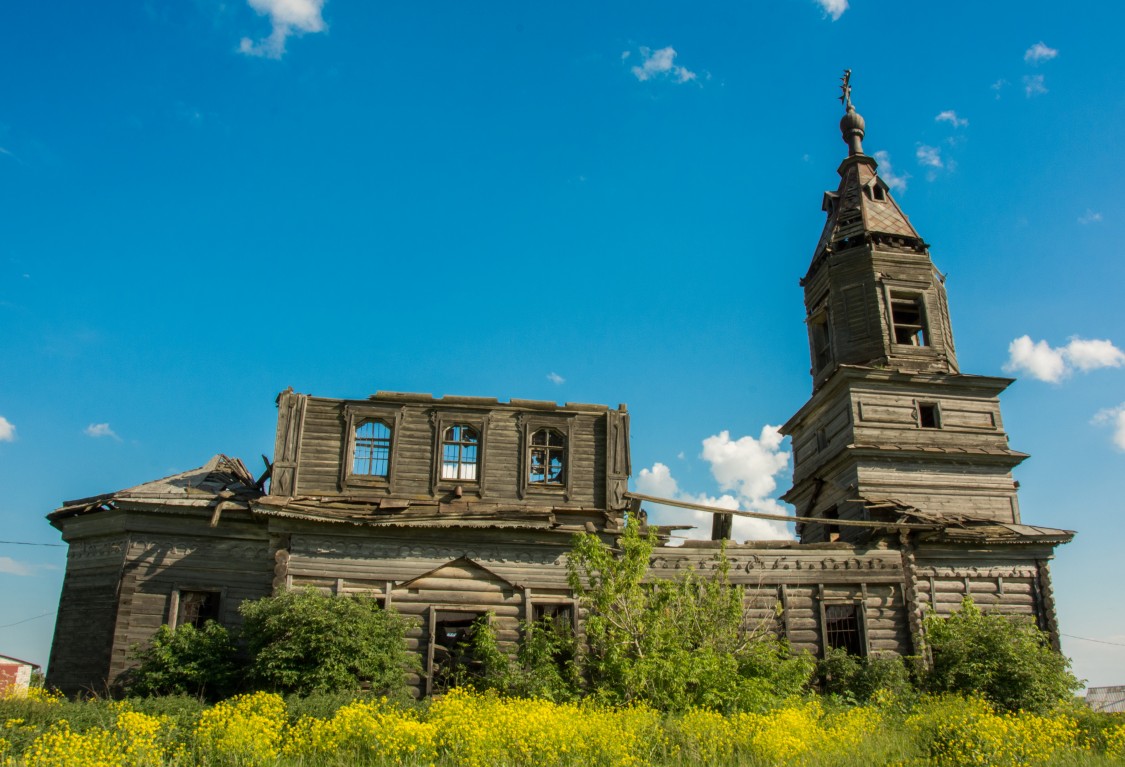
306	642
858	680
674	644
185	661
1005	659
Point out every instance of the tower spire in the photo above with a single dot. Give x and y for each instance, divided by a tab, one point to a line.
851	124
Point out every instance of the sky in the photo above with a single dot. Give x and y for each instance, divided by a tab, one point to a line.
203	203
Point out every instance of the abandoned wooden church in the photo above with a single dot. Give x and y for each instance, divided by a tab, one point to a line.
449	508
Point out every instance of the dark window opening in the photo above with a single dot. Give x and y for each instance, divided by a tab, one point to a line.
372	454
562	612
552	631
842	628
833	531
908	319
460	453
929	417
821	439
821	342
879	193
453	658
547	458
197	607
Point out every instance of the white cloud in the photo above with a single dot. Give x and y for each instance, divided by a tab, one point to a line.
833	8
930	156
7	430
661	64
746	468
1115	416
1039	53
288	17
887	173
1033	85
555	378
13	567
999	86
1089	217
97	430
1040	360
949	116
1087	355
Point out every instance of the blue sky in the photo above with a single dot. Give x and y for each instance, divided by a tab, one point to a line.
204	203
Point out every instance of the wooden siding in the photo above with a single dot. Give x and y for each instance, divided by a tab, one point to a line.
322	468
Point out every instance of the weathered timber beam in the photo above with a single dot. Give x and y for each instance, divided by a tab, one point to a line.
783	517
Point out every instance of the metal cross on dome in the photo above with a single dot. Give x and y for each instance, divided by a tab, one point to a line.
846	88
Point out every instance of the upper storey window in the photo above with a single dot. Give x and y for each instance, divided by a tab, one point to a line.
460	453
547	458
372	453
908	319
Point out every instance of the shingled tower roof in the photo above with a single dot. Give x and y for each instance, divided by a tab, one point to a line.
862	207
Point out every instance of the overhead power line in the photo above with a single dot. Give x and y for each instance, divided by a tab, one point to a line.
30	543
1088	639
25	620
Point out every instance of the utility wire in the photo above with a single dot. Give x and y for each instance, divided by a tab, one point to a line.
29	543
25	620
1099	641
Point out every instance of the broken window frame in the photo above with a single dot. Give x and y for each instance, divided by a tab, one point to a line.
355	416
820	339
906	329
460	452
546	458
371	451
562	427
183	606
843	625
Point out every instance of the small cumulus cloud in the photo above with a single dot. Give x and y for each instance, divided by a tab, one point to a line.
555	378
1115	418
287	17
1039	53
949	116
746	471
98	430
833	8
660	64
1089	217
895	181
1033	85
1042	361
7	430
15	567
999	86
930	156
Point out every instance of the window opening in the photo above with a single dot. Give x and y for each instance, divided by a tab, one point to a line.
560	612
833	531
548	458
908	319
822	345
460	453
372	449
198	607
928	415
879	193
452	649
842	628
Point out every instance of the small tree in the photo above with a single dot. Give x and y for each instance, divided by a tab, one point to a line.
185	661
306	642
674	643
1007	659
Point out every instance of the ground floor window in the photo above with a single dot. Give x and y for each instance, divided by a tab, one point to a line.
197	607
843	628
